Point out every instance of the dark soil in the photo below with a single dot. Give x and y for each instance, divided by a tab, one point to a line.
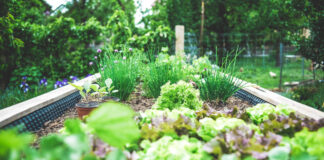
138	103
231	103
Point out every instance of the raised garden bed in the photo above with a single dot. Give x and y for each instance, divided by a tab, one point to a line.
175	125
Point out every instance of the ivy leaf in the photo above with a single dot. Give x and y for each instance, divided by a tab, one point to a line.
113	122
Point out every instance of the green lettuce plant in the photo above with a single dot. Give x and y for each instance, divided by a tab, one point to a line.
147	115
261	112
168	148
181	94
210	128
308	145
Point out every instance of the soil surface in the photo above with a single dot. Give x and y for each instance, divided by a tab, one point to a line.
138	103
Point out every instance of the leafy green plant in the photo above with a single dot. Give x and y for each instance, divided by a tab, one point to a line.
123	71
202	64
113	123
159	74
307	145
219	84
97	92
210	128
178	95
169	148
147	116
261	112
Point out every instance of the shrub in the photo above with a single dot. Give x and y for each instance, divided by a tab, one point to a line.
177	95
201	64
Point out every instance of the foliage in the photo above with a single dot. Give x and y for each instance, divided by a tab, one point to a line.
221	83
261	112
11	145
124	70
202	64
159	74
113	123
310	95
307	145
168	148
148	115
210	128
158	38
243	141
177	95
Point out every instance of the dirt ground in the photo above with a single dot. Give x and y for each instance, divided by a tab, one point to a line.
138	103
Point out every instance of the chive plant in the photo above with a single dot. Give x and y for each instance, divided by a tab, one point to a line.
123	68
220	84
159	74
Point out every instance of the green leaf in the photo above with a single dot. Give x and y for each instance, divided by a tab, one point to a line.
229	157
116	155
86	86
108	82
279	153
73	126
95	87
80	88
113	122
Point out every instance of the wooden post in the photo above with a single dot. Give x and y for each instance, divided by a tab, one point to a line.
201	50
179	44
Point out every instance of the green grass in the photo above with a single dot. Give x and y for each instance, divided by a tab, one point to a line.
12	95
256	70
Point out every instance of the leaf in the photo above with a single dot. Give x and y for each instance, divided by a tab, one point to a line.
82	94
114	91
102	89
229	157
80	88
73	126
113	122
95	87
116	155
279	153
108	82
86	86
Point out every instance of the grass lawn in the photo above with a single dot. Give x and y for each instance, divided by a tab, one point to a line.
256	70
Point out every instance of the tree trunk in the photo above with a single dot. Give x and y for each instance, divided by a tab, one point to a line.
201	50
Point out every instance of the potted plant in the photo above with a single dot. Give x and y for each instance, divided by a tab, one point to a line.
92	95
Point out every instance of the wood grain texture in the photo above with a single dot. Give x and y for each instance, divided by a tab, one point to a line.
14	112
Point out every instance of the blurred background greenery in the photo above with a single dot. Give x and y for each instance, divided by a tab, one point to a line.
38	41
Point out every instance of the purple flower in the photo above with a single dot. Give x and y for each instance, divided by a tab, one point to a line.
24	77
99	50
90	63
95	57
58	84
74	78
130	49
65	82
26	89
116	50
47	13
88	75
22	84
43	82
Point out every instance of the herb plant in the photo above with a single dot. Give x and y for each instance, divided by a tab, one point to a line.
219	84
181	94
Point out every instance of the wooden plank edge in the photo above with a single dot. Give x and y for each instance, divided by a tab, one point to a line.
276	99
14	112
